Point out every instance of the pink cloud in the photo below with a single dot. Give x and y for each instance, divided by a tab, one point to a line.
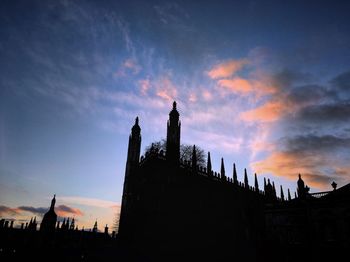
166	89
227	69
192	98
130	65
144	84
207	95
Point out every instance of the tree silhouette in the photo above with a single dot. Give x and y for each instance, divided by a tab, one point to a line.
185	151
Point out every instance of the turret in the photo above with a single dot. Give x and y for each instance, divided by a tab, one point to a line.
302	189
95	227
246	185
222	170
173	136
289	197
72	225
235	180
281	193
270	193
256	184
209	168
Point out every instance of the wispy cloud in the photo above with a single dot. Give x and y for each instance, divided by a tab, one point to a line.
227	69
85	201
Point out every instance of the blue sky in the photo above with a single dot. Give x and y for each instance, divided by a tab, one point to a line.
264	84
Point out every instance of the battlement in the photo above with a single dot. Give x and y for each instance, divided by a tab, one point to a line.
202	171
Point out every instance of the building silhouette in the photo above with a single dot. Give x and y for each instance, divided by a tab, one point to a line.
49	221
174	209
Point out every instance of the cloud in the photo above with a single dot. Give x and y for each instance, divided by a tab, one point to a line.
325	114
35	210
166	89
4	210
63	210
342	82
85	201
316	144
317	158
144	85
227	69
237	84
269	112
130	65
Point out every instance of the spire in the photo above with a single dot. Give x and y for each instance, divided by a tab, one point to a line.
95	227
136	128
264	184
194	158
53	202
174	105
289	197
246	185
223	176
234	174
72	225
274	188
209	164
282	194
256	183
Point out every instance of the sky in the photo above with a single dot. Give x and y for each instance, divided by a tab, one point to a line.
263	84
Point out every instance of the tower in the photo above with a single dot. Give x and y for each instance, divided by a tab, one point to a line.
50	218
302	189
173	136
132	164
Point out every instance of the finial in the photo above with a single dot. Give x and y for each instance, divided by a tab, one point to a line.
299	176
174	105
137	120
334	185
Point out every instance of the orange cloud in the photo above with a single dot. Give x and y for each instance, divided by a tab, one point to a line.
237	84
227	69
269	112
8	210
289	165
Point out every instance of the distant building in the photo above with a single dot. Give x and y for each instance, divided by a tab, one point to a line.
174	208
48	223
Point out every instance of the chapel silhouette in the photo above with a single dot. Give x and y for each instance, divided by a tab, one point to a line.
174	208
